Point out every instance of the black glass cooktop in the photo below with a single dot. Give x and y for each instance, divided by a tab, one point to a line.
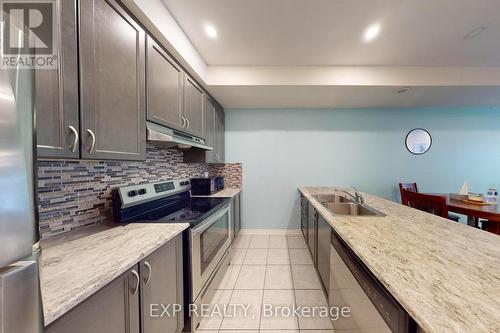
179	208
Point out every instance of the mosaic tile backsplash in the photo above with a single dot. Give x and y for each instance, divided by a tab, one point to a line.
232	173
77	193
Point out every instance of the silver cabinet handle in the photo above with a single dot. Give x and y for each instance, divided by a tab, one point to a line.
134	290
146	281
75	141
91	150
183	122
188	124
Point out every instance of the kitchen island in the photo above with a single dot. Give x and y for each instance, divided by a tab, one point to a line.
446	275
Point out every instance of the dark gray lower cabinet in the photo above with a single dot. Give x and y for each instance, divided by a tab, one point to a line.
236	214
303	217
312	227
113	309
323	252
118	308
162	287
57	92
112	82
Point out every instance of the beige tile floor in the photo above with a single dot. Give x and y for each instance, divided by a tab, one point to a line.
268	269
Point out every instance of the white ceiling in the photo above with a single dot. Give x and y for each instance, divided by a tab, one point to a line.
328	32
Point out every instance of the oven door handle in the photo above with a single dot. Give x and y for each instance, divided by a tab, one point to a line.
210	221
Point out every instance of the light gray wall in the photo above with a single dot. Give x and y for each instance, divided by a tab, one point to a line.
281	149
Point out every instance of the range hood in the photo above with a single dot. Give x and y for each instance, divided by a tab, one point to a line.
168	137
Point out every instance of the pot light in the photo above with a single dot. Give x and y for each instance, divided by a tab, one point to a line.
371	33
211	31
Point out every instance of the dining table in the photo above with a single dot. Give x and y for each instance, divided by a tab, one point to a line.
476	211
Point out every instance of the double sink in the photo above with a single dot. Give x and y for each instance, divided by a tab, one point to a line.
342	205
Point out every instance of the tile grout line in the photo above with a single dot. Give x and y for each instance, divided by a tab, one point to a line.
263	287
234	286
293	283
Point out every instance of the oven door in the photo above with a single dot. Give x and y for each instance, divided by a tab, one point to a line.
209	241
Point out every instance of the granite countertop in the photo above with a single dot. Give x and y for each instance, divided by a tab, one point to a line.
74	267
445	274
225	193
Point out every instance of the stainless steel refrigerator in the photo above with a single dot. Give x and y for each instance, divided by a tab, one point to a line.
20	301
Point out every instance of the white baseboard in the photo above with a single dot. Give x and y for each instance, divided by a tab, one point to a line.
270	231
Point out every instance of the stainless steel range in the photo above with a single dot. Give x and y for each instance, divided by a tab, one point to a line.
206	243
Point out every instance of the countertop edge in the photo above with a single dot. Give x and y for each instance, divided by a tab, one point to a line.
52	316
225	193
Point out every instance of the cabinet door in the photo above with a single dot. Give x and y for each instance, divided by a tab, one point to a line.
164	87
312	215
219	135
303	217
193	108
112	52
57	92
113	309
237	214
323	253
210	130
162	284
223	136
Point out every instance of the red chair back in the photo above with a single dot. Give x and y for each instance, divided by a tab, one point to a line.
408	187
434	204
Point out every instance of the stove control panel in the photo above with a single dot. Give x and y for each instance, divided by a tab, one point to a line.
163	187
138	194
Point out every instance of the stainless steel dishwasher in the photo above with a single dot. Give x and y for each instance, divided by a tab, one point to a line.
372	307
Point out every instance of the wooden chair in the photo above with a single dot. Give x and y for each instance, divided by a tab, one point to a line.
412	187
408	186
434	204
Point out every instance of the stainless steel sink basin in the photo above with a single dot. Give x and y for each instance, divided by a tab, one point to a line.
331	198
351	209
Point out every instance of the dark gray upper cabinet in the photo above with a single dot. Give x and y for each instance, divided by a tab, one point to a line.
164	82
57	92
219	135
113	309
162	283
210	130
112	83
193	108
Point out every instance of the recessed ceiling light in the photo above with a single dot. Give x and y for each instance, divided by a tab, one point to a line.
371	33
475	32
210	31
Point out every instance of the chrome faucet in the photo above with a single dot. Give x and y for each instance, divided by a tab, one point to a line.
357	197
